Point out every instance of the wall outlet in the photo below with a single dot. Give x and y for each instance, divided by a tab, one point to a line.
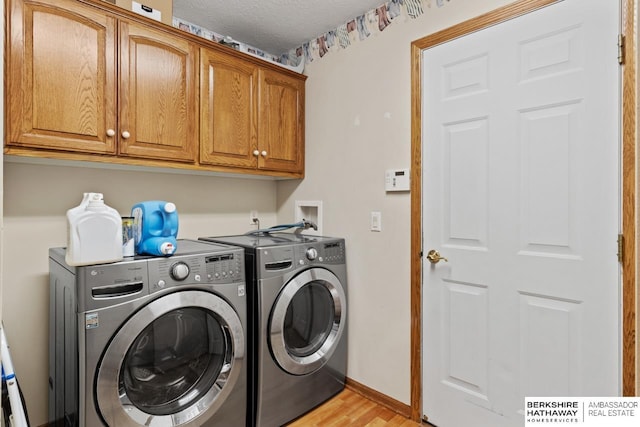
253	218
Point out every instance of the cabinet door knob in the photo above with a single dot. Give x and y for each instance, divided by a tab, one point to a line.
256	153
111	132
264	154
126	134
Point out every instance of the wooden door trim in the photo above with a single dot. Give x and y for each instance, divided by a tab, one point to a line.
499	15
629	147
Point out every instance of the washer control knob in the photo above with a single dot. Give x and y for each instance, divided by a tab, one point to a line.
312	254
179	271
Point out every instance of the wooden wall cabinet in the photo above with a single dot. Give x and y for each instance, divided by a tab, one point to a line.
250	117
70	90
61	82
281	122
228	110
158	95
89	81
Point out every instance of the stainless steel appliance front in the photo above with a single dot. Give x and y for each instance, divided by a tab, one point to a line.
298	291
160	341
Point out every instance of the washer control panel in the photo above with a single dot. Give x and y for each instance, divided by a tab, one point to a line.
212	268
174	271
225	268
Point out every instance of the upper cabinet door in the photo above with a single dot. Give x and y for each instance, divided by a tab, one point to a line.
158	95
281	125
228	110
61	76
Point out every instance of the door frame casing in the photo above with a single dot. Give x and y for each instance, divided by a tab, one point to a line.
627	180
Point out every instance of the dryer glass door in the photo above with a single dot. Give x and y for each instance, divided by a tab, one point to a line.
307	321
175	359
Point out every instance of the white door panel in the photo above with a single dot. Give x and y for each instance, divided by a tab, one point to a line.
520	145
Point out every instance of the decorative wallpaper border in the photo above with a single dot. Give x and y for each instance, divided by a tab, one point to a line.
360	28
348	34
219	38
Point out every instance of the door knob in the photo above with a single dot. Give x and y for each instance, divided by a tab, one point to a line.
434	257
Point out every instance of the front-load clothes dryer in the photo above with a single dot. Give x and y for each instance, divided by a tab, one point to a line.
149	341
297	286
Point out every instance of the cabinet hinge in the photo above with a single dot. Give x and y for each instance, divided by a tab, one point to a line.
621	46
620	248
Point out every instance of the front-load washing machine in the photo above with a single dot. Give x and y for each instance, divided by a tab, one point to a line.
149	341
297	287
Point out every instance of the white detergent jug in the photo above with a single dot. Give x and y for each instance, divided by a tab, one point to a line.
94	232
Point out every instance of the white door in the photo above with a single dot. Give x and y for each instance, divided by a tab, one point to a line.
521	195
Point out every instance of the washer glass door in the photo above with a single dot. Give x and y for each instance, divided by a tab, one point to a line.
172	361
307	321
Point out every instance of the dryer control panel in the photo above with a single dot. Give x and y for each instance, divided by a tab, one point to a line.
320	252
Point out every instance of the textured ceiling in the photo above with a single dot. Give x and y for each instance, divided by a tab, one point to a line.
275	26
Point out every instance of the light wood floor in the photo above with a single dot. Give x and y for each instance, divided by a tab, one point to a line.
353	410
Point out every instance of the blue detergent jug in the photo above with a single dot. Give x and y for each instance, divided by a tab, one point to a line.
155	225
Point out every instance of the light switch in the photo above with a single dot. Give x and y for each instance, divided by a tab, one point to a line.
376	221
